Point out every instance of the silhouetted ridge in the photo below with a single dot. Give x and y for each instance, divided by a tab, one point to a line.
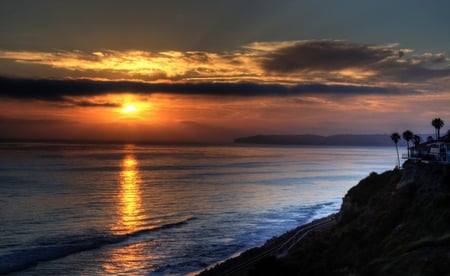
307	139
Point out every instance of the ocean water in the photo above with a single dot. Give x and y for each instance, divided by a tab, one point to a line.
74	209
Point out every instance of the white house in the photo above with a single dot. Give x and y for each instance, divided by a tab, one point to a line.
431	151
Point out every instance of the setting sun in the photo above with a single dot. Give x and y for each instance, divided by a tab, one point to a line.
129	108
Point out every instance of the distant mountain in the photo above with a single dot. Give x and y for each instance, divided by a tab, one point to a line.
333	140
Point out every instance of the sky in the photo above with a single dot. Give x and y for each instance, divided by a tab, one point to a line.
211	71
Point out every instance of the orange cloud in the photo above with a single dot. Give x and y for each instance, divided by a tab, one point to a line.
168	65
322	87
286	62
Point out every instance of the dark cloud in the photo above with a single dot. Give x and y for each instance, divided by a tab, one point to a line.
342	89
325	55
440	58
11	121
94	104
198	56
60	90
414	73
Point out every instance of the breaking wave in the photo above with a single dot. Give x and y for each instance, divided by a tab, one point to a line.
48	249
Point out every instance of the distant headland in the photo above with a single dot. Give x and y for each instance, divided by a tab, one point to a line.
317	140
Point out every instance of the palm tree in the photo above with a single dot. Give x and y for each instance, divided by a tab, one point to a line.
438	124
416	140
408	136
395	137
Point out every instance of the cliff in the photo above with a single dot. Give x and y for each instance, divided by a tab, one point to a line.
394	223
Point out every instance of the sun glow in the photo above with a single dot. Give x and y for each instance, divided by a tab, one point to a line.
129	108
134	108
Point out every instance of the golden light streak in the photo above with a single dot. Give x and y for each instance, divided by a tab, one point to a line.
126	258
130	196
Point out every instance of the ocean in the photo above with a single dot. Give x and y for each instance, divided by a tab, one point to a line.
92	209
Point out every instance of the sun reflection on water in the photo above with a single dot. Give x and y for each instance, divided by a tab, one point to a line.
130	195
128	258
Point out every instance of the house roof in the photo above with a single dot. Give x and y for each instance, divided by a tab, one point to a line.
443	140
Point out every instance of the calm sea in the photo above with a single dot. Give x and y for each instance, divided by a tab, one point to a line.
71	209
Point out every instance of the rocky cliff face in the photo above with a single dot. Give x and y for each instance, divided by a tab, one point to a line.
394	223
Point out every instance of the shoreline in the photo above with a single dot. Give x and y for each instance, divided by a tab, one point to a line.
275	247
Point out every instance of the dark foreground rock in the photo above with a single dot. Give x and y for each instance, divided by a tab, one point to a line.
394	223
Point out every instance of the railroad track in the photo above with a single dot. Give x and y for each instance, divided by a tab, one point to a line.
281	250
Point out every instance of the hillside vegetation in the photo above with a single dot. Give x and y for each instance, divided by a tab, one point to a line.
394	223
